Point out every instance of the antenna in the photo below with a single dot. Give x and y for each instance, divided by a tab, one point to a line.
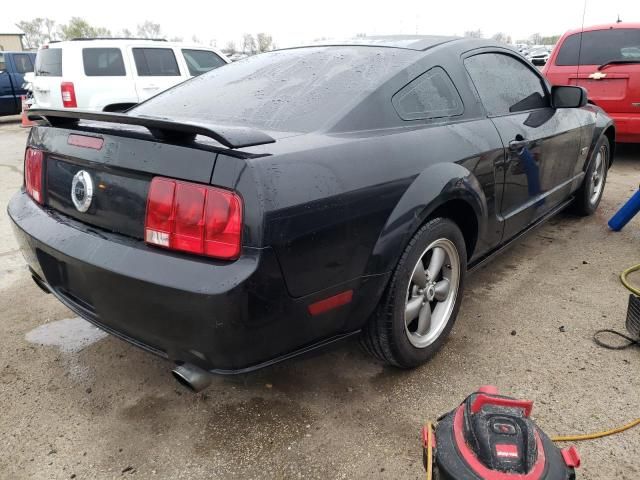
618	21
584	11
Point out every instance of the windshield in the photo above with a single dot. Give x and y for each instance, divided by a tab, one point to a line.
290	90
49	62
600	47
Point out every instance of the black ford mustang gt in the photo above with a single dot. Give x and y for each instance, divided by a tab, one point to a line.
300	196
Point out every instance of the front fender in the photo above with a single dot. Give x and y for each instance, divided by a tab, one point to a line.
432	189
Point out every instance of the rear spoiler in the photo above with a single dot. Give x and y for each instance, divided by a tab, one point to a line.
161	128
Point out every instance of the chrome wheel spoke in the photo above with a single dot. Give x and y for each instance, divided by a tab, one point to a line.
424	319
432	292
442	289
413	309
435	265
419	275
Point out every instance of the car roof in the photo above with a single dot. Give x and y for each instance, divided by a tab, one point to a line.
605	26
105	42
408	42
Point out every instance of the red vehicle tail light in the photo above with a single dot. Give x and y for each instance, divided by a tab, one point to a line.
193	218
33	173
68	92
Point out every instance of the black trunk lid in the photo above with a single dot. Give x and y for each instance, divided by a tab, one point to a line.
120	173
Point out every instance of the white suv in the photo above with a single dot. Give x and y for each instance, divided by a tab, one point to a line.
114	74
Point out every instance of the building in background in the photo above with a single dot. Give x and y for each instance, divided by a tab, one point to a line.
10	38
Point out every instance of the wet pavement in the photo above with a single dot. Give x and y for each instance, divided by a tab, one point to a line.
77	403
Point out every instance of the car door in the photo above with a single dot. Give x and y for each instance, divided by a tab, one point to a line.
156	69
107	81
22	63
541	144
7	101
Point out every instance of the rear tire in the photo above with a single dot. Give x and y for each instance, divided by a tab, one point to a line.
422	300
590	193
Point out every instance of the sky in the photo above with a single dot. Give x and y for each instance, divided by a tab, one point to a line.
298	22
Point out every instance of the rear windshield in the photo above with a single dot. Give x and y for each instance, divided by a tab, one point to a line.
201	61
103	62
600	46
289	90
49	62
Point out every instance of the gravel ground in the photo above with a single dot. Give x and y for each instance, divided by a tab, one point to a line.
77	403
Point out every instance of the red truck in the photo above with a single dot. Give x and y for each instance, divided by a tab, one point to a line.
604	59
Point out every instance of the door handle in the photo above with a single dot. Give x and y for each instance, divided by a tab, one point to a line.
519	144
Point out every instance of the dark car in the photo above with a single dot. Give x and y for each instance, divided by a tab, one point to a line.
13	67
301	196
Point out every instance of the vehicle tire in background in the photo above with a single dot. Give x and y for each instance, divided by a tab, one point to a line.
421	303
590	193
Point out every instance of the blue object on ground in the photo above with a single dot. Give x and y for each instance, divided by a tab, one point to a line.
626	213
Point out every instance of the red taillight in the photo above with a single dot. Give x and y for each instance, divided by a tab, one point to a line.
33	173
68	92
193	218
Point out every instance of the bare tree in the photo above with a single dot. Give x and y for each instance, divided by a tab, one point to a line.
37	32
536	39
126	33
265	42
149	30
501	37
230	48
473	33
195	39
248	44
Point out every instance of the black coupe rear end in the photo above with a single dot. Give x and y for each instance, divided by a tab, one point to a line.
294	198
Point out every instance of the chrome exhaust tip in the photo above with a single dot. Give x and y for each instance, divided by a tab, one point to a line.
194	378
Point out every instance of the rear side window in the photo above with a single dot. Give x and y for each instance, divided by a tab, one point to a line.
201	61
431	95
49	62
23	63
103	62
155	62
599	47
505	84
3	65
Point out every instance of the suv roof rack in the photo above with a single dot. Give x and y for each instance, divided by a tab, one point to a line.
118	38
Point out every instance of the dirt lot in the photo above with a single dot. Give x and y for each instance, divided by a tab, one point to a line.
76	403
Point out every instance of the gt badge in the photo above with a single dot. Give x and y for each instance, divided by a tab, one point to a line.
597	75
82	191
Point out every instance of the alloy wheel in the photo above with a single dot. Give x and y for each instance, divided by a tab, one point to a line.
432	292
596	182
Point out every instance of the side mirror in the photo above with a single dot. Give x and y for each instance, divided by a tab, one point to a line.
568	97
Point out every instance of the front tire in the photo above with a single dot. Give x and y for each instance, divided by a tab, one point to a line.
590	193
422	300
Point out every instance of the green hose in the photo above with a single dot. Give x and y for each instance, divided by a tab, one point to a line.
625	282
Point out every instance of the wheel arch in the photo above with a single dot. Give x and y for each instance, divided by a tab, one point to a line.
610	133
448	190
118	107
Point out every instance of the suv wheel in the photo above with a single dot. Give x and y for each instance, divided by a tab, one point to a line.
422	300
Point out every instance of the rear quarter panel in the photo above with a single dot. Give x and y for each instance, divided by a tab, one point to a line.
346	208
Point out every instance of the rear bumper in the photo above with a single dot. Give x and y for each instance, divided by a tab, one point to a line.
223	317
627	127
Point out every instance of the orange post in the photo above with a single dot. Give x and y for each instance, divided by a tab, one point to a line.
26	123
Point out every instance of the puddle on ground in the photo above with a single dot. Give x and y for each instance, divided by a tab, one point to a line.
70	335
